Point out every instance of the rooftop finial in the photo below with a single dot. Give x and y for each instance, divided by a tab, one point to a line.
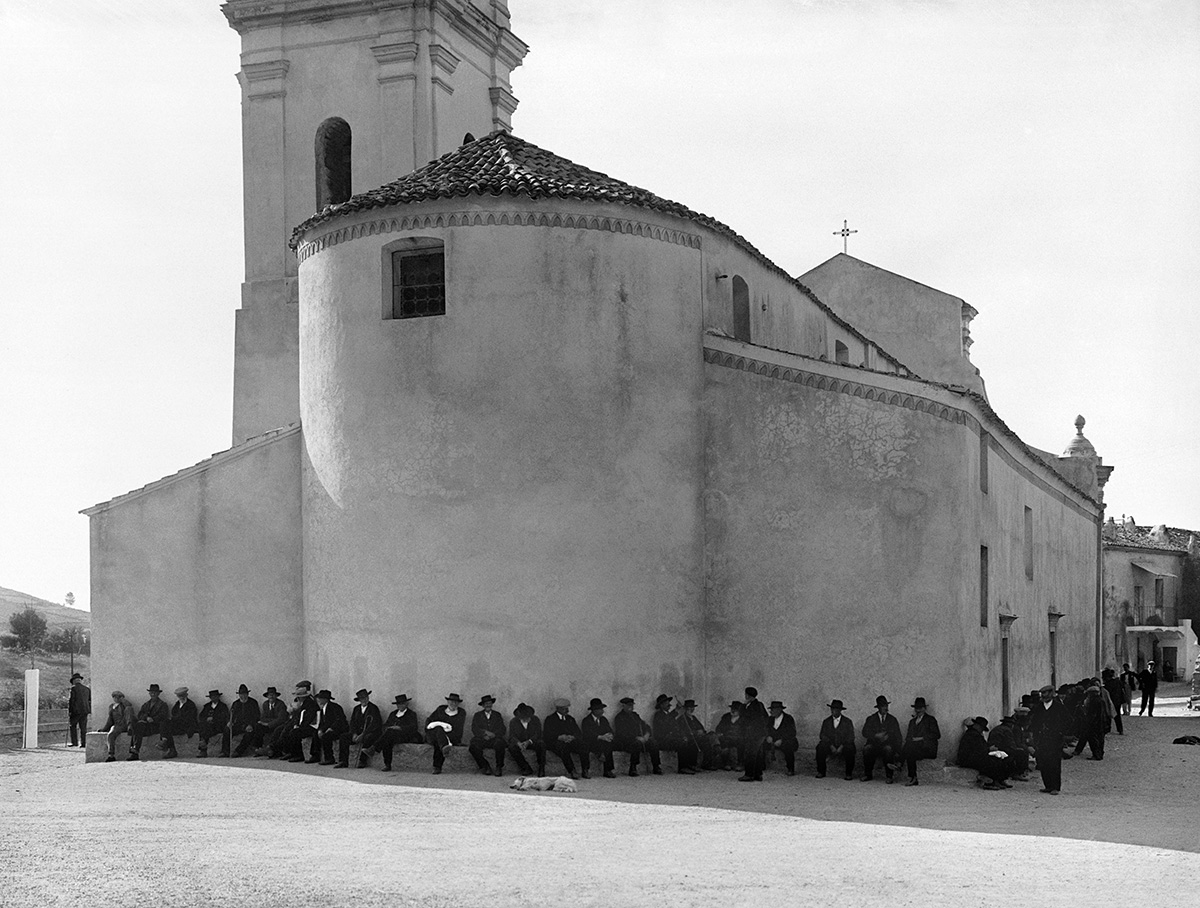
1080	422
1079	446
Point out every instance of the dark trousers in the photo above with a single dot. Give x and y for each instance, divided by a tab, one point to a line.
635	749
605	750
789	748
479	746
113	734
518	749
564	752
1117	720
994	768
1018	761
847	757
1049	764
439	739
1093	737
1147	701
729	752
883	752
295	742
389	739
346	741
687	754
78	724
141	728
208	731
754	756
246	741
913	752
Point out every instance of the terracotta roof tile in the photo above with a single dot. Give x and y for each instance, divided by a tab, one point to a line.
502	164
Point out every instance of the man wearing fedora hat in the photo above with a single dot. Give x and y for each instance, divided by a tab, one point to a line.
882	741
273	716
561	733
668	735
705	740
729	737
974	753
184	720
151	719
633	736
487	733
781	735
755	720
402	726
79	707
302	724
214	720
243	720
836	740
524	734
366	725
597	735
331	726
444	729
921	739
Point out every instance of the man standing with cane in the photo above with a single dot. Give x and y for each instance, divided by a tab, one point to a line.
79	707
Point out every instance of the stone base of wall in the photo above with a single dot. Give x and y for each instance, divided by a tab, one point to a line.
97	747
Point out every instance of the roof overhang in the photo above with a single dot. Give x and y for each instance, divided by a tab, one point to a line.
1151	629
1151	569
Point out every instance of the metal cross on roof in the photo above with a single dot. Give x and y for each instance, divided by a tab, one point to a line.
844	233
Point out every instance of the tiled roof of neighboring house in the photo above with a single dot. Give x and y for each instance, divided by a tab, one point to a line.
500	164
1129	535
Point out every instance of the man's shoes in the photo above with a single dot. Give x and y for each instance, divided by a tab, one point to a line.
133	756
586	774
791	772
746	778
657	770
991	786
485	770
325	762
313	760
498	771
685	771
866	778
171	754
541	772
110	759
890	779
1053	791
1003	784
387	767
572	775
201	754
609	774
633	772
1095	758
911	782
226	756
849	777
820	775
437	770
295	759
345	764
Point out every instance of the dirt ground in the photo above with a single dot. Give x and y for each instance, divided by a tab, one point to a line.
263	833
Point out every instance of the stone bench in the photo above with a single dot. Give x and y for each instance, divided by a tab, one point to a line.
97	747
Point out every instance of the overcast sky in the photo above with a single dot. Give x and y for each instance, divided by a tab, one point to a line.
1037	159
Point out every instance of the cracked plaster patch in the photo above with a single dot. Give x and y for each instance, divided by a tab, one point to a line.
876	438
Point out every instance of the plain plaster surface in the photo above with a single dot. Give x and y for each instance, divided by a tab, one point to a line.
251	832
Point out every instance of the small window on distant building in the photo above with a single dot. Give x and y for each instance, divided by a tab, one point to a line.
417	270
332	153
1158	594
1029	543
741	309
1139	605
983	586
841	353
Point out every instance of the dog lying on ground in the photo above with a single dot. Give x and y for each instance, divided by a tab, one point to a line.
530	783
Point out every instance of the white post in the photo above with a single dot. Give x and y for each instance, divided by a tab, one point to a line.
31	707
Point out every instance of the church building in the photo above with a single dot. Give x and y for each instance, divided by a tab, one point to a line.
506	425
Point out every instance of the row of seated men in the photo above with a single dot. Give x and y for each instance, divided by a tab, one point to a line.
746	735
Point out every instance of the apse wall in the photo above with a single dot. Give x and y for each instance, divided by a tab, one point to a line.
504	499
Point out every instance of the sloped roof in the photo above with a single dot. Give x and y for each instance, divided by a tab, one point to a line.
501	164
1138	537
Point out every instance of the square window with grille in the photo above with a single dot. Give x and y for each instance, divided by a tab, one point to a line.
418	283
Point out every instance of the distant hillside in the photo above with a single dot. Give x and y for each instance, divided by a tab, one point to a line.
56	615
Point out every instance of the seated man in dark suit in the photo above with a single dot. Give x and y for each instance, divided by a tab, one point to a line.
1004	737
402	727
152	718
487	733
184	720
706	741
561	733
974	753
729	737
881	732
214	720
444	729
331	725
243	720
781	735
272	719
837	740
667	734
525	734
597	735
633	736
366	725
921	740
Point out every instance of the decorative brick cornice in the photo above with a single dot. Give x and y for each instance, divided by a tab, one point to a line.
510	218
821	382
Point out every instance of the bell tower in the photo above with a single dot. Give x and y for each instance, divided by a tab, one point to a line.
339	97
